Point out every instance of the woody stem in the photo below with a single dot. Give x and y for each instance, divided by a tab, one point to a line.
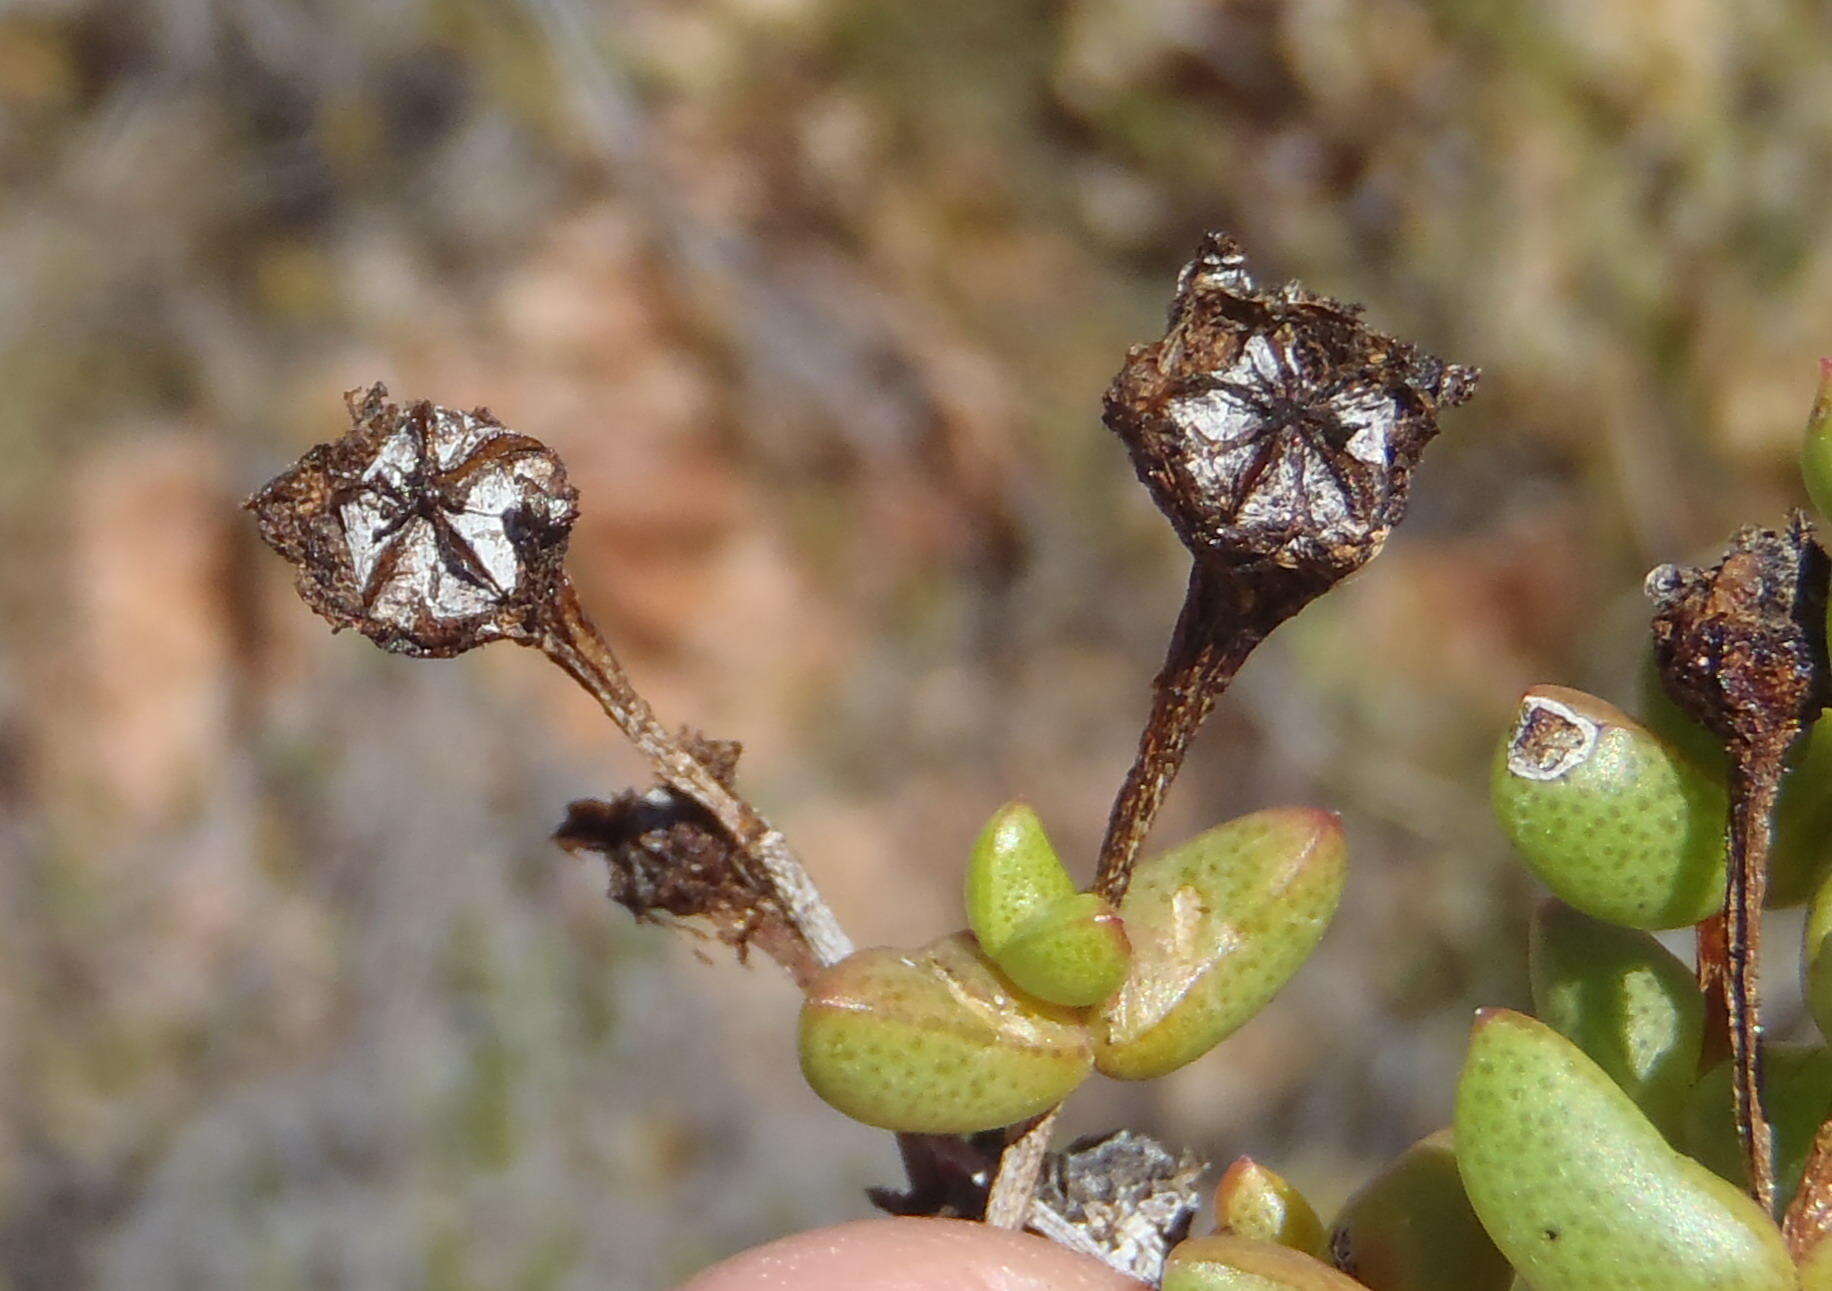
572	641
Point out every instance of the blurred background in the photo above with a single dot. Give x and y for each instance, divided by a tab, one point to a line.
817	298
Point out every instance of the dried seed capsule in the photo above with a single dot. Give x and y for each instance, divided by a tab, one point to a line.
1578	1188
1254	1202
1741	646
1608	816
935	1041
1816	452
429	530
1227	1263
1218	925
1073	952
1626	1001
1274	428
1796	1094
1410	1228
1012	875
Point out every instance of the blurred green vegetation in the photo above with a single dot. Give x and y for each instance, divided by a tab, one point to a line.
818	300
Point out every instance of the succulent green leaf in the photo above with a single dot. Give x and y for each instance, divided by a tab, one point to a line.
936	1041
1411	1228
1012	875
1802	854
1609	816
1217	926
1816	1267
1073	952
1796	1095
1254	1202
1230	1263
1816	958
1578	1188
1816	451
1802	851
1625	1000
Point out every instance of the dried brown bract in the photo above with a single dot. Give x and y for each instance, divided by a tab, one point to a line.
669	860
1741	646
429	530
1130	1196
1275	428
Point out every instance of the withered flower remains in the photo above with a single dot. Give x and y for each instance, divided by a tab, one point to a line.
1275	428
427	529
1279	434
1742	646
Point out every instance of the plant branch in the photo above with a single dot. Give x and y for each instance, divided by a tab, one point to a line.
1020	1167
1755	781
1225	616
1809	1216
572	641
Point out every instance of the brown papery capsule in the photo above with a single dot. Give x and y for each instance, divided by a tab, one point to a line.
1741	646
1275	427
429	530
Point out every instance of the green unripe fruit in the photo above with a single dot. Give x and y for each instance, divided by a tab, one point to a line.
1802	852
1218	925
1242	1264
1073	953
1816	451
936	1041
1796	1095
1626	1001
1411	1228
1609	817
1012	875
1816	958
1578	1188
1256	1203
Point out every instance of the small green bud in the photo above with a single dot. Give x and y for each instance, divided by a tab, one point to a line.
1796	1095
1410	1228
1578	1188
1242	1264
1816	452
936	1041
1218	925
1254	1202
1610	817
1073	952
1012	875
1626	1001
1063	946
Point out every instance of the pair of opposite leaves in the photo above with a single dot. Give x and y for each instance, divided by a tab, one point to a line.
986	1028
1563	1166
